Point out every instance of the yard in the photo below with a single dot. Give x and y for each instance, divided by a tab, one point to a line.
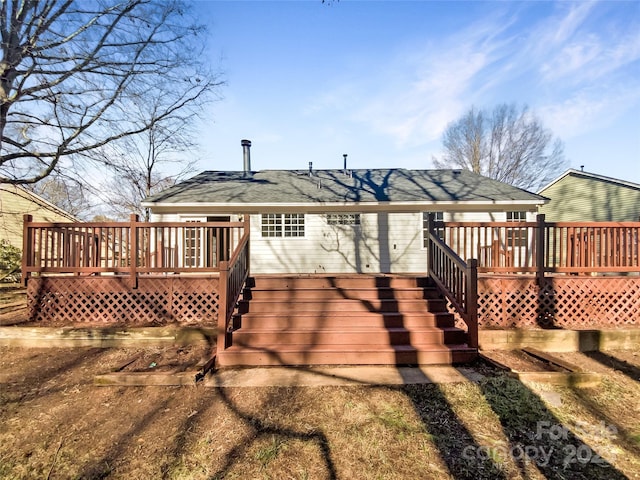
57	424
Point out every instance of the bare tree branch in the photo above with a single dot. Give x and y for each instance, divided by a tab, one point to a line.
75	74
507	144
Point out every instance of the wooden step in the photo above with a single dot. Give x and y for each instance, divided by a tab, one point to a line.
349	336
342	305
343	319
361	293
276	354
337	281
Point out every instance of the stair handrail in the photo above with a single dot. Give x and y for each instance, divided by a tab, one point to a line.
457	279
233	275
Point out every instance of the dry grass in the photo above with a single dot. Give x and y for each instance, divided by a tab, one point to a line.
57	424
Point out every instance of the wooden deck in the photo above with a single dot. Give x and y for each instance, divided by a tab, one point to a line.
515	275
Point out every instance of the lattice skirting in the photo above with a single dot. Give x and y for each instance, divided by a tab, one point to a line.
70	300
575	302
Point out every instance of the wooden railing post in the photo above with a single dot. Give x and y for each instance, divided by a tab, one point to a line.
221	343
133	250
430	219
27	248
541	249
472	301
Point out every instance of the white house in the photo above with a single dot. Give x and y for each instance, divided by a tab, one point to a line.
340	221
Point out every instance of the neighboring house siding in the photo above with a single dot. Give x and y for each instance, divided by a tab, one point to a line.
15	202
585	198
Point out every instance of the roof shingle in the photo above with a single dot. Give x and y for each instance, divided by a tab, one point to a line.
338	186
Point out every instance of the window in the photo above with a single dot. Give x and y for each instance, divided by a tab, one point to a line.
437	217
192	245
343	218
516	216
283	225
271	225
293	224
517	237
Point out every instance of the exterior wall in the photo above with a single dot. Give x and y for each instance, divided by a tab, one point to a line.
16	202
384	242
587	199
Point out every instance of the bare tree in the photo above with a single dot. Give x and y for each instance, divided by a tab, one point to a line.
508	144
73	75
151	161
68	193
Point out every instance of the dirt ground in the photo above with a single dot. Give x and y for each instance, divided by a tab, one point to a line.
57	424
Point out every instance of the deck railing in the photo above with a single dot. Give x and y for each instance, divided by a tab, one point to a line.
545	247
457	279
577	247
128	248
233	275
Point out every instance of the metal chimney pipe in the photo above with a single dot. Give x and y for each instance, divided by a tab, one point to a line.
310	169
246	155
345	162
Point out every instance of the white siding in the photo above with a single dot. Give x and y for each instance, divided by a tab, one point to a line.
382	243
343	248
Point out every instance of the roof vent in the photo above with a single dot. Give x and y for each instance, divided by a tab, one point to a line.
311	169
344	155
246	155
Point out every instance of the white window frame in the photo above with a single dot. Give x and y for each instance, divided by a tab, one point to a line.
294	225
343	219
521	235
192	255
282	225
271	225
438	217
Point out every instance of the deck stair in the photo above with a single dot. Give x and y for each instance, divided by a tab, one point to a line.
343	320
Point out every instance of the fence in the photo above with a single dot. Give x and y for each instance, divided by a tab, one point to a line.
128	248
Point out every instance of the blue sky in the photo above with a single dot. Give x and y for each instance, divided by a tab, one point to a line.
381	80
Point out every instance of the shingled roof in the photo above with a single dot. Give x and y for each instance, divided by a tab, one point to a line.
339	187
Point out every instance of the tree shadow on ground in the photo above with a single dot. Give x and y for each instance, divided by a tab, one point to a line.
262	427
450	435
537	436
610	361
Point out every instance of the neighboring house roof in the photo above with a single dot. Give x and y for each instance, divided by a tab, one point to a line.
583	196
588	175
15	202
337	187
23	193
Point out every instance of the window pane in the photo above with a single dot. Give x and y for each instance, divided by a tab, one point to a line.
271	225
343	218
293	224
517	237
192	245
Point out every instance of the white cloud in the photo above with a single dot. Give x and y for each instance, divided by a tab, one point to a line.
572	67
560	32
587	111
429	89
